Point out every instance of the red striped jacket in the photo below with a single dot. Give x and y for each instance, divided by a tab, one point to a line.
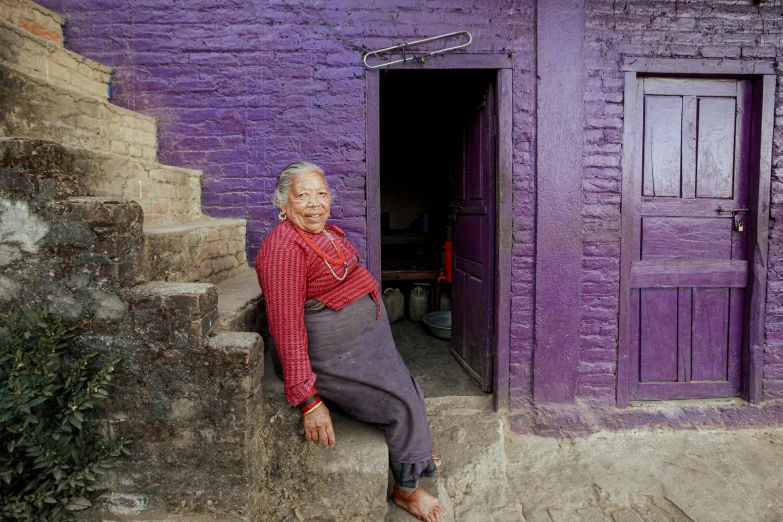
290	273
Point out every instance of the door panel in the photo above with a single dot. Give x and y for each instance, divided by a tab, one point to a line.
474	244
471	235
715	160
662	145
686	238
689	270
659	334
710	327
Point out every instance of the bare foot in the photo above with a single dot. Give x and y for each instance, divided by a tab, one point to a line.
420	504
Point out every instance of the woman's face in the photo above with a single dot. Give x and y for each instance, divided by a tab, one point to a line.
308	202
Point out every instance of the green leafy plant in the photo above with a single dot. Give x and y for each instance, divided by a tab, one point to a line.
51	457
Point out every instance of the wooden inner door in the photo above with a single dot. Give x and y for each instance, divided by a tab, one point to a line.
474	242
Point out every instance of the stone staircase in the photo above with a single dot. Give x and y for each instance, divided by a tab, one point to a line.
94	227
50	93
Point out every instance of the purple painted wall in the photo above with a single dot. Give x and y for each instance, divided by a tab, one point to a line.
242	88
722	29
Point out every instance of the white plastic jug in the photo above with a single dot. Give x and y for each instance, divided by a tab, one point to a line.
417	304
394	302
445	302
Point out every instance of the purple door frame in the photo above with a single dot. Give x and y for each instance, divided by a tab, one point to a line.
763	78
503	64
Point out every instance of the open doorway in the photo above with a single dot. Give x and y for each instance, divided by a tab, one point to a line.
438	158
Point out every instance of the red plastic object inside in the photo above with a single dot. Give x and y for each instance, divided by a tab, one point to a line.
447	259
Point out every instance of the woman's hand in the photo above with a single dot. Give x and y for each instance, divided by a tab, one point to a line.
318	426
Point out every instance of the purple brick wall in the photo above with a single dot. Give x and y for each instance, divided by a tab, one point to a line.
660	29
240	89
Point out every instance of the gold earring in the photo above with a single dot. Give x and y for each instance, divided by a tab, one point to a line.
281	216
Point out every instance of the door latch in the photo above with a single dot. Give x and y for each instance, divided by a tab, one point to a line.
739	223
738	214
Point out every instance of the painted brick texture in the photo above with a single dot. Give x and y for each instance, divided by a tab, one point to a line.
660	29
240	89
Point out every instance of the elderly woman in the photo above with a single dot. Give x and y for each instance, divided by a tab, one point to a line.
333	337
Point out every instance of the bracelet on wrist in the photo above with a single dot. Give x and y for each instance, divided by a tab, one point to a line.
310	404
311	410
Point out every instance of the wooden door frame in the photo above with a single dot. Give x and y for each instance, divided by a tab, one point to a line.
502	64
763	78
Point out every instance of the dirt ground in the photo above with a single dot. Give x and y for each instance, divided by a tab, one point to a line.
491	473
705	476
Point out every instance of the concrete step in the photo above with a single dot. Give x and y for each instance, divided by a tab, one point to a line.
35	108
240	303
302	481
167	194
34	19
207	250
36	56
470	440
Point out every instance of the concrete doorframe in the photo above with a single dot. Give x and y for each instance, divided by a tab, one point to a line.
763	78
502	65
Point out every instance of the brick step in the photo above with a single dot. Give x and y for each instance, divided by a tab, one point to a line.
167	194
301	481
34	19
240	303
36	56
470	440
35	108
207	250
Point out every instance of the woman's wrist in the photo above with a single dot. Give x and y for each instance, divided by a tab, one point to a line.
310	404
311	410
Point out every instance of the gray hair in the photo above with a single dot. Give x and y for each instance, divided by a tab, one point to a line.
284	180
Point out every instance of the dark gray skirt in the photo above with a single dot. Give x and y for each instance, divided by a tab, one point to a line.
358	367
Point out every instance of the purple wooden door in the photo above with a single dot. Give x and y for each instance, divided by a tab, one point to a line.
474	244
689	269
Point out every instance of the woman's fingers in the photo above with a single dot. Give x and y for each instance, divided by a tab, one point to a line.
323	437
318	427
330	434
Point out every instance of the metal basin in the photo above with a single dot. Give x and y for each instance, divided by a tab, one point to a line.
439	324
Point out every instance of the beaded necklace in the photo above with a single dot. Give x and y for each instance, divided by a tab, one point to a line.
328	260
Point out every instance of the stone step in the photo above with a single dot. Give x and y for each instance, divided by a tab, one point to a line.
34	19
302	481
191	403
240	303
207	250
35	108
180	314
36	56
469	437
167	194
